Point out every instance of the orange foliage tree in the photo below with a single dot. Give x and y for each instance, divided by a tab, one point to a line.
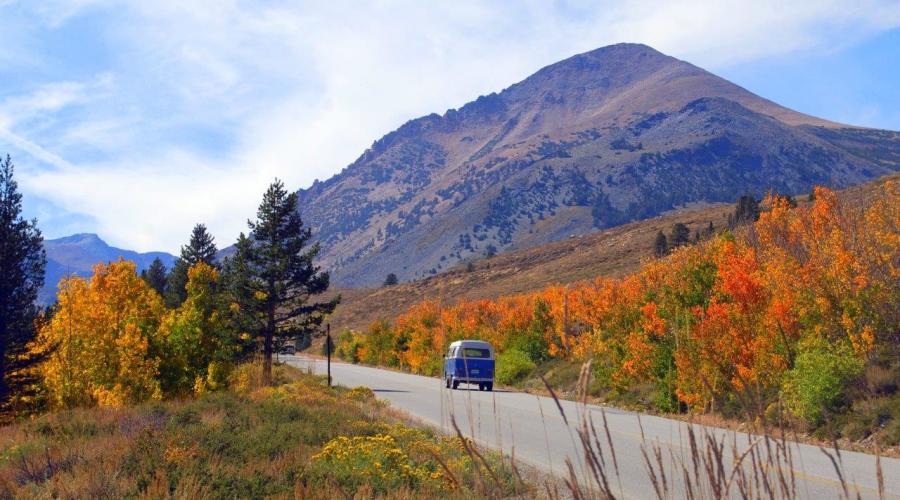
100	343
721	322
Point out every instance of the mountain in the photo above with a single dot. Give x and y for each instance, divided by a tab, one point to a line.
77	254
618	134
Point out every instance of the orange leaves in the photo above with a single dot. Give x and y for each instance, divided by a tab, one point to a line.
711	321
101	336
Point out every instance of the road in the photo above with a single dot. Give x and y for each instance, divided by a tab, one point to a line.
531	429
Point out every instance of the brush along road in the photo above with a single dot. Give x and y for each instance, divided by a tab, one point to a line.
532	430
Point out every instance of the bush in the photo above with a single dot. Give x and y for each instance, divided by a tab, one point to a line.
820	375
513	366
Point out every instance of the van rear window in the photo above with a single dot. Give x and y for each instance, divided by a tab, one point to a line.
472	352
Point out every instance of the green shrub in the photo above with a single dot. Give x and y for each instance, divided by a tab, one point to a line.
513	366
816	383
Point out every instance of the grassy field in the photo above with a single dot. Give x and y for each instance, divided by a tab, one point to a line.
297	439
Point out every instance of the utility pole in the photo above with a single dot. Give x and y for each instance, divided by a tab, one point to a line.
328	349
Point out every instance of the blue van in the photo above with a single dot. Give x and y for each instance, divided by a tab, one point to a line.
469	362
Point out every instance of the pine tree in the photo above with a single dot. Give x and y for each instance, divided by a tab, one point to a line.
681	235
237	291
391	280
661	245
156	276
710	230
283	276
22	260
200	248
746	211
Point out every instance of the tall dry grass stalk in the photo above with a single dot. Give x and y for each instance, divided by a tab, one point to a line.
714	464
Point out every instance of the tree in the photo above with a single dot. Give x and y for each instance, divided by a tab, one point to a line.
156	276
282	274
661	245
747	210
681	235
22	261
200	248
237	292
102	342
200	342
390	280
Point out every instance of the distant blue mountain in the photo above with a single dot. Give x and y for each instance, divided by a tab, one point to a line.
77	254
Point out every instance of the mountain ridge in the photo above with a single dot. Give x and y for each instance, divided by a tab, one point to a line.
78	253
602	138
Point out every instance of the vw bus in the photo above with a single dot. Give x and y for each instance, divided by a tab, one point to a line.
469	362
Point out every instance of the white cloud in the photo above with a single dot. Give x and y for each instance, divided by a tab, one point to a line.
204	102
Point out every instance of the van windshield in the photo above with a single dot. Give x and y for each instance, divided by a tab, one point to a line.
472	352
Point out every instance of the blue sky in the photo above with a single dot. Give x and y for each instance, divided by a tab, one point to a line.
135	120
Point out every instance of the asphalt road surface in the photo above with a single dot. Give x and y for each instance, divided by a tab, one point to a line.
531	429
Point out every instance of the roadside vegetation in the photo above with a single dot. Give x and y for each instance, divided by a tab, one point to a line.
162	384
295	438
791	317
120	339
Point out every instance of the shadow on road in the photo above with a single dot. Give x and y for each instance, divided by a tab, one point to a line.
387	390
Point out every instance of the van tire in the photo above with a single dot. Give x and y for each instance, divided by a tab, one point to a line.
489	386
447	382
455	384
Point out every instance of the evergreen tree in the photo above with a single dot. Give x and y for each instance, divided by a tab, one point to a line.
391	280
200	248
22	261
156	276
746	211
237	291
710	230
681	235
282	274
661	245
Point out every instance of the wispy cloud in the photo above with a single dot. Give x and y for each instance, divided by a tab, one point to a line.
179	112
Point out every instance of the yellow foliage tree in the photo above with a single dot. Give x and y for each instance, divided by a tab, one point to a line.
100	343
199	342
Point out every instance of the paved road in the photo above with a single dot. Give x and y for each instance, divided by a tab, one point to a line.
531	429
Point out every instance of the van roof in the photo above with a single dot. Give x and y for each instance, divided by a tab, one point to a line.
471	343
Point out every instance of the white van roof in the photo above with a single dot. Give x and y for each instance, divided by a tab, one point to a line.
472	343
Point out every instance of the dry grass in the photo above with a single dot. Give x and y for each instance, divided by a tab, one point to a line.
248	442
709	465
612	252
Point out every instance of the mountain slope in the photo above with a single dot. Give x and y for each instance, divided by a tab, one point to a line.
77	254
618	134
611	252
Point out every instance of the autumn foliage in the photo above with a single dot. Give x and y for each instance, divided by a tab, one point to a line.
112	342
735	321
101	341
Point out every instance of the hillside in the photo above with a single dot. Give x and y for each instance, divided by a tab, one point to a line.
618	134
611	252
77	254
